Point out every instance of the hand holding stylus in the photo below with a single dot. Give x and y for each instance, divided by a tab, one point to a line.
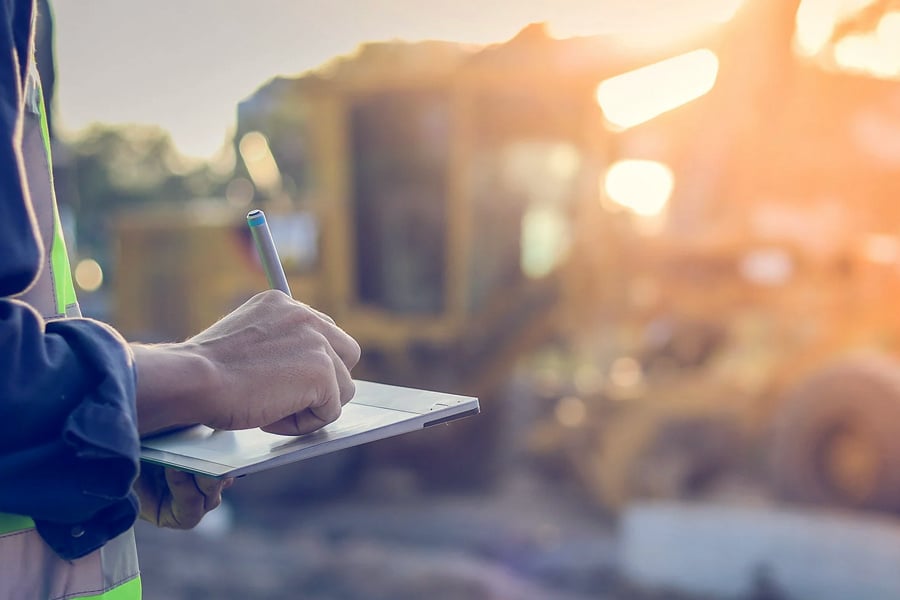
273	363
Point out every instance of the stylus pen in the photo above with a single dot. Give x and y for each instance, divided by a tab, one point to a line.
268	255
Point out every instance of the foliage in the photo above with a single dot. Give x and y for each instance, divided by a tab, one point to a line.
109	169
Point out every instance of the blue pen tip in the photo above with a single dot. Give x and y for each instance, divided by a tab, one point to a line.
256	217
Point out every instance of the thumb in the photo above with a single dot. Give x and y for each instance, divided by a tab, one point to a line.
306	421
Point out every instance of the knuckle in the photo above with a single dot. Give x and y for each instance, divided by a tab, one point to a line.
355	353
320	364
303	315
266	296
347	392
336	414
274	299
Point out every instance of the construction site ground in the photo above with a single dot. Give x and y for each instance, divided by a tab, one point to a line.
525	538
390	540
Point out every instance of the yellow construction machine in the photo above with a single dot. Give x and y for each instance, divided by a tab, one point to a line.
745	339
421	194
462	211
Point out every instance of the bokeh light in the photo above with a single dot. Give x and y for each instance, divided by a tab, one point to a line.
637	96
261	165
817	19
88	275
570	411
642	186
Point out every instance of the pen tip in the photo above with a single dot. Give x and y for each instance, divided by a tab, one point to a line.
256	218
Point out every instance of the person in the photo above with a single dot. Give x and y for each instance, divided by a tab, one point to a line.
75	398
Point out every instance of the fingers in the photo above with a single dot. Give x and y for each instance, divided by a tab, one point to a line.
320	314
299	423
191	497
186	501
344	345
152	491
324	391
176	499
303	422
212	490
346	387
335	389
290	357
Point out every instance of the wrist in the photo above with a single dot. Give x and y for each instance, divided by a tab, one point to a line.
174	383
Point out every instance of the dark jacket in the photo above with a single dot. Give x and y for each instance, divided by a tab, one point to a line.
68	431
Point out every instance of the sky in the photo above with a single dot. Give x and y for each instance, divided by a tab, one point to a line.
185	64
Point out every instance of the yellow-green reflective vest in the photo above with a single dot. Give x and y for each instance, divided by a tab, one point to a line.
29	569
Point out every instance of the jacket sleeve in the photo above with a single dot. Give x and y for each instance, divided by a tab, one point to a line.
68	436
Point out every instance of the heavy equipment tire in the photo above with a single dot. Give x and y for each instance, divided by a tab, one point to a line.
836	436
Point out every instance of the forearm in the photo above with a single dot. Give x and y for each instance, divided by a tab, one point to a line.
174	383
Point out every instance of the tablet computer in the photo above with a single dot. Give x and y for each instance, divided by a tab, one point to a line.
377	411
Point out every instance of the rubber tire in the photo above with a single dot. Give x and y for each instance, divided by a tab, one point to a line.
861	391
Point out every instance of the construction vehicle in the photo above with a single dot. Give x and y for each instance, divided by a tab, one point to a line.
442	202
402	186
754	334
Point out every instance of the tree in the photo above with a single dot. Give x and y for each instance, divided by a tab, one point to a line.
106	170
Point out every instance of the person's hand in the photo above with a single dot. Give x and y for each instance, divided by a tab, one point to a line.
273	363
176	499
285	367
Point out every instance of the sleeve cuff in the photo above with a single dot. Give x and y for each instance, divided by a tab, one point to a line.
102	429
74	540
96	433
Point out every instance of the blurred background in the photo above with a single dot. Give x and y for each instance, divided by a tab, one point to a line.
657	239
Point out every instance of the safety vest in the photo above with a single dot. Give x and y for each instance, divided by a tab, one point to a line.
29	569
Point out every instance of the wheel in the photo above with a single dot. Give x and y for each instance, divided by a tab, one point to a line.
836	438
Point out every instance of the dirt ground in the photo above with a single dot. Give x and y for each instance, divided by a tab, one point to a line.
388	540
